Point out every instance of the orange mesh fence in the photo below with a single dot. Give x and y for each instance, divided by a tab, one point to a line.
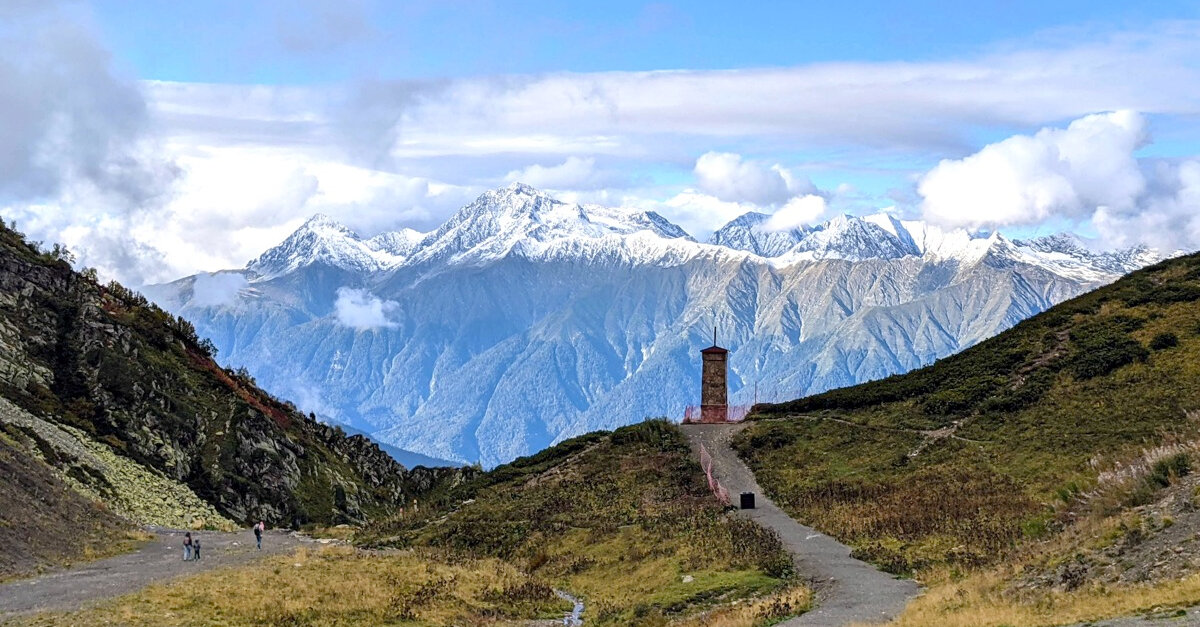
706	464
733	413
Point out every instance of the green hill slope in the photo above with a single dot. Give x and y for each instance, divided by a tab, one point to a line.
624	520
96	365
958	462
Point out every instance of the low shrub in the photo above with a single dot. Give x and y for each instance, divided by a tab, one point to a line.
1166	470
1103	346
1164	340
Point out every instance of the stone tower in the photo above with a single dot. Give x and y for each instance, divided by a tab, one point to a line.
714	391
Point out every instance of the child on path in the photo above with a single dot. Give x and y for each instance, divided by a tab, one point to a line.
196	549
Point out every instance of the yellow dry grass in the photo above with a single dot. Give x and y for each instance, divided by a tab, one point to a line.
765	611
988	596
332	586
630	577
128	541
982	600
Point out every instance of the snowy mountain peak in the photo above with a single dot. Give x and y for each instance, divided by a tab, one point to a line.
1057	243
853	239
400	243
524	219
884	236
515	201
747	232
321	239
842	237
320	221
1066	250
521	188
519	219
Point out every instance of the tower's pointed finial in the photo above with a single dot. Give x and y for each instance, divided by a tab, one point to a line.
714	335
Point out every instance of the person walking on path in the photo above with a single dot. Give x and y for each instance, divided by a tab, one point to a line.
187	546
196	549
258	531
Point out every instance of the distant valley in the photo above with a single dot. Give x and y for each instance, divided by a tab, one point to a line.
524	320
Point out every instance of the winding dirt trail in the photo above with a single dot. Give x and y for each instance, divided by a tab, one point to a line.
159	560
847	590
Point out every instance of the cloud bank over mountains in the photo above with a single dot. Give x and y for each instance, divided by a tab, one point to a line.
1057	172
729	177
80	160
362	310
218	290
149	181
1087	171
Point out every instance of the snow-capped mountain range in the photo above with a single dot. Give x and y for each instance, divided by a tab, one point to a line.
524	320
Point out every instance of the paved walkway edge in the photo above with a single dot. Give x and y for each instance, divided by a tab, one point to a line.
156	561
847	590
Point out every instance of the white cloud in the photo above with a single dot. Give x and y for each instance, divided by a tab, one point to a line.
731	178
1086	172
798	212
312	399
68	123
217	290
360	309
1167	217
233	203
697	213
893	105
153	181
79	161
1026	180
574	172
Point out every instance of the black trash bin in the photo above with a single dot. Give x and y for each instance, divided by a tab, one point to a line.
747	500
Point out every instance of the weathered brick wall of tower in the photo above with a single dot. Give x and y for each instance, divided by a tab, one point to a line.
714	391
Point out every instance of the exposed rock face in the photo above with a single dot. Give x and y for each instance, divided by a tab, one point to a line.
137	380
131	490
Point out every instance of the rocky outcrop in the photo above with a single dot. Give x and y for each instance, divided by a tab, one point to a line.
130	490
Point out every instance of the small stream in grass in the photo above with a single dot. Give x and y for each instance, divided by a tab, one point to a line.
575	619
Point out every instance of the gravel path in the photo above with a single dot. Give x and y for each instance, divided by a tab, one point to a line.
847	590
158	560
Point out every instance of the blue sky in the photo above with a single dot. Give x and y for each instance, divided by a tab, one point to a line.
264	42
162	138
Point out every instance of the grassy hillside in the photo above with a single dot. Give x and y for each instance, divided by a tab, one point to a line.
101	363
1068	421
624	520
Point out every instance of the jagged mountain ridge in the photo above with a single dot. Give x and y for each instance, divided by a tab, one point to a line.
524	320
